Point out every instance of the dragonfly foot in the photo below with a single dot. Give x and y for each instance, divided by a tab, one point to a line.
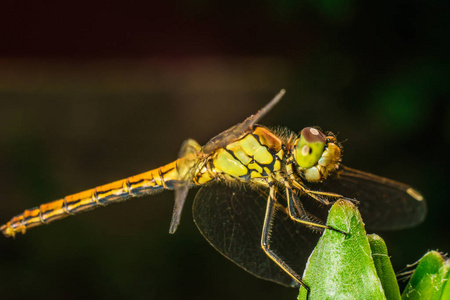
308	291
352	200
337	230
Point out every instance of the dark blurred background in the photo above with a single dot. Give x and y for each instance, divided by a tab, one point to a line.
91	92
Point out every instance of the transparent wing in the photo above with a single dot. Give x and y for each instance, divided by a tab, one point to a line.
384	204
231	134
231	220
188	151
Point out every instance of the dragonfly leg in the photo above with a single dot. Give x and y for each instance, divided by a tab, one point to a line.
265	240
352	200
304	218
295	207
329	195
323	197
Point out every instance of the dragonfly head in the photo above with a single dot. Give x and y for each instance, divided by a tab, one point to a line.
315	154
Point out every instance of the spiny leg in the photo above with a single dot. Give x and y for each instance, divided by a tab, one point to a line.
294	202
317	195
295	207
265	239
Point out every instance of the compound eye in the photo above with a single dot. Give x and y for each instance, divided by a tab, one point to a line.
309	147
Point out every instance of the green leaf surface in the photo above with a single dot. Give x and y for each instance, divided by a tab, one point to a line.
341	266
430	279
384	267
446	289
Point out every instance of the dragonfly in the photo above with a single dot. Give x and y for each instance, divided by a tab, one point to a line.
263	195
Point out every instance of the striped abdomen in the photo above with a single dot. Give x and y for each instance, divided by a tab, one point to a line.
166	177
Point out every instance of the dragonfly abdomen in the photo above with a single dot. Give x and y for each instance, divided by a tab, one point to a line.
165	177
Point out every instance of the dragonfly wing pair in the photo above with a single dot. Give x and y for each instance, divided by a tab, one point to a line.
224	138
231	219
385	204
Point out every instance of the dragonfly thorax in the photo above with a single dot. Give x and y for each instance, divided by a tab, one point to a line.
315	155
253	157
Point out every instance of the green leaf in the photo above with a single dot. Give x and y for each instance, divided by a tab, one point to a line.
341	266
446	289
384	267
430	279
